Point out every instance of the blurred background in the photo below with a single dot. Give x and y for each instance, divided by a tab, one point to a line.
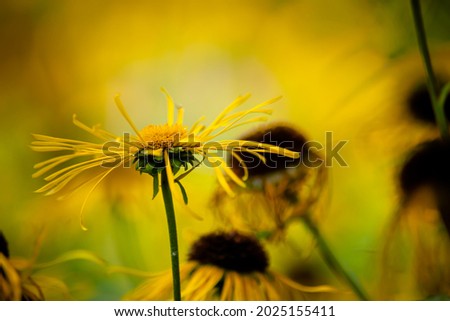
348	68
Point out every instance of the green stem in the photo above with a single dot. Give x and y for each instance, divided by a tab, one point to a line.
331	260
433	89
171	222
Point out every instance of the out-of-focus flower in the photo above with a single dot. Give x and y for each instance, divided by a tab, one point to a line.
154	149
18	278
15	283
420	232
279	190
429	167
407	108
420	106
225	266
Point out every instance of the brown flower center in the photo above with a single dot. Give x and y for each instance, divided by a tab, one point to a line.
282	136
420	106
230	251
4	245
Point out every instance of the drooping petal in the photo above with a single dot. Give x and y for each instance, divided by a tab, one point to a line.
303	288
11	286
89	194
223	182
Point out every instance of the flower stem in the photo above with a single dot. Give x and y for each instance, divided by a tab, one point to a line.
172	225
438	106
331	260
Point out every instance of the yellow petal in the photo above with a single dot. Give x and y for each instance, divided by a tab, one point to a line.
223	182
127	117
170	107
180	115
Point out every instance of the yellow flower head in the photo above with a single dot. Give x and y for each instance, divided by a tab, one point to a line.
225	266
279	190
420	230
19	280
154	150
14	285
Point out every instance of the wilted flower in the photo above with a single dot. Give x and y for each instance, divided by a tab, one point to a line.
15	282
429	167
419	233
279	190
420	106
18	278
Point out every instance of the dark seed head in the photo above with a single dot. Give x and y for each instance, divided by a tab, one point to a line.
420	106
429	165
230	251
3	245
278	135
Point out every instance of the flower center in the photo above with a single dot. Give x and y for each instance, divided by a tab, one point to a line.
230	251
3	245
420	106
278	135
162	136
428	165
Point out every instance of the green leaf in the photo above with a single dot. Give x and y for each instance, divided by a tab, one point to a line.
176	163
183	191
148	168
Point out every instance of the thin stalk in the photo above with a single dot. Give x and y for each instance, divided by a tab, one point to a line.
432	85
331	260
172	225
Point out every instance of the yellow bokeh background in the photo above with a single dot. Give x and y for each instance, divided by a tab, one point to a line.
341	67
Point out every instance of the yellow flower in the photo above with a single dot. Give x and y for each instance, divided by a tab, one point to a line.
224	266
419	233
279	190
15	283
154	149
18	278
